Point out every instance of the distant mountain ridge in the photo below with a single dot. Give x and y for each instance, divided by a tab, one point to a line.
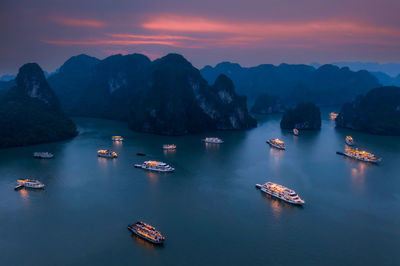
391	69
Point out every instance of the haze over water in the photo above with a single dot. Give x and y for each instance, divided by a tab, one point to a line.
209	209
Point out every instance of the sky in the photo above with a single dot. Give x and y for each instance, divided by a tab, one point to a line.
206	32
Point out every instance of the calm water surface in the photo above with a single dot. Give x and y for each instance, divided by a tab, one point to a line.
208	209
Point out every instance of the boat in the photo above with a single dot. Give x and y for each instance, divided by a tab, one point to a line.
117	138
213	140
29	183
147	232
43	155
281	192
141	154
295	131
349	140
169	147
360	155
155	166
107	154
276	143
333	115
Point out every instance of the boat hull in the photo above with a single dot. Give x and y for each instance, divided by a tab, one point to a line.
358	159
275	146
134	231
154	169
278	196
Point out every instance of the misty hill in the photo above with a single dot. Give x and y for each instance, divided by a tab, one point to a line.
387	80
30	112
391	69
328	84
305	116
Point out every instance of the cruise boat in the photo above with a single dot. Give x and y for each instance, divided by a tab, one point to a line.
169	147
281	192
276	143
295	131
155	166
117	138
107	154
360	155
146	232
43	155
213	140
333	115
29	183
349	140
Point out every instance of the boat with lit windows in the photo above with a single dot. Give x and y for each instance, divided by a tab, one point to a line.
43	155
117	138
360	155
146	232
333	115
349	140
169	147
213	140
155	166
107	154
295	131
276	143
281	192
29	183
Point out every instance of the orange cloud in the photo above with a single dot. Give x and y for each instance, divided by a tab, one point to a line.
107	42
74	22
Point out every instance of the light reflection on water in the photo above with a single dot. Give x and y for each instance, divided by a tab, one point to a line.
212	146
24	194
144	243
275	154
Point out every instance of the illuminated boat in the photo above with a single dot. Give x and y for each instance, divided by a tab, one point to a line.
360	155
349	140
155	166
333	115
43	155
281	192
29	183
146	232
276	143
107	154
213	140
169	147
295	131
117	138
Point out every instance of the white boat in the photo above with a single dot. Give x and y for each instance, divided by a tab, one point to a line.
213	140
155	166
43	155
276	143
117	138
29	183
360	155
146	232
281	192
349	140
107	154
295	131
169	147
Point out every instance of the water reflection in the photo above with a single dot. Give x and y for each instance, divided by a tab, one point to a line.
277	205
212	146
275	154
117	143
144	243
169	152
152	176
358	173
102	162
24	194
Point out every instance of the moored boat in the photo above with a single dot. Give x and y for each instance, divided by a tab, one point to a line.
29	183
349	140
140	154
107	154
360	155
276	143
281	192
43	155
169	147
295	131
117	138
333	115
213	140
155	166
146	232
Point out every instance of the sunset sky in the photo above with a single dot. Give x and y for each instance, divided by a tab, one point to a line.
206	32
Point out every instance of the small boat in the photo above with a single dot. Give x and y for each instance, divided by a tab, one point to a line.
29	183
295	131
276	143
117	138
333	115
141	154
360	155
107	154
146	232
155	166
43	155
169	147
213	140
349	140
281	192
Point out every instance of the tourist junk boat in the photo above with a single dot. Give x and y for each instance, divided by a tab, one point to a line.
107	154
117	138
276	143
169	147
29	183
155	166
349	140
295	131
333	115
213	140
281	192
360	155
146	232
43	155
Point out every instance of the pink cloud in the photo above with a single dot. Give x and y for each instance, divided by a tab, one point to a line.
74	22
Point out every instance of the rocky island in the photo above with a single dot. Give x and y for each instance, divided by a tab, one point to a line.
30	112
378	112
305	116
267	104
